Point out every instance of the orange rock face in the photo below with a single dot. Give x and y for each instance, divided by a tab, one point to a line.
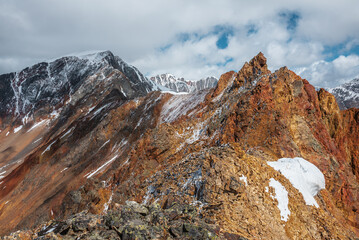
209	149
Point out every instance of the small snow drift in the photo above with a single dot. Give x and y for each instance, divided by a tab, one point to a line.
281	195
303	175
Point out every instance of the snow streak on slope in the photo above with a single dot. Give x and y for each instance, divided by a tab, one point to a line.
303	175
100	168
281	195
180	104
38	124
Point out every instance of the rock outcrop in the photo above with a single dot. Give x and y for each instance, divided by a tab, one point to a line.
209	149
130	221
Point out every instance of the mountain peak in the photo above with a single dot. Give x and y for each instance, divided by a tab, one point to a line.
47	85
260	60
86	55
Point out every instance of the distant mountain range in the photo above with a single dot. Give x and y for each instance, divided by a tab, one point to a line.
347	94
181	85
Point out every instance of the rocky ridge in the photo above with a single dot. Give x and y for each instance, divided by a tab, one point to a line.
181	85
210	149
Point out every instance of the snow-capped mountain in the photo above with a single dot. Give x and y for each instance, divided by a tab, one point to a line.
46	85
181	85
347	94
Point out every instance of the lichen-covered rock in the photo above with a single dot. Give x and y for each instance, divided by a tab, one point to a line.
125	222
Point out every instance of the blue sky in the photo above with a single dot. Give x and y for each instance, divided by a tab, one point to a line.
193	39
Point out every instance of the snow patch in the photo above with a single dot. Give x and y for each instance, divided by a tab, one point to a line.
175	93
103	166
86	55
99	110
55	114
216	99
148	196
48	148
104	144
1	168
138	123
18	129
67	133
51	229
197	132
37	125
180	104
107	204
37	140
25	119
281	195
303	175
90	109
244	179
1	177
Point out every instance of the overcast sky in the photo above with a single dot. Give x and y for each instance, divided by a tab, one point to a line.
188	38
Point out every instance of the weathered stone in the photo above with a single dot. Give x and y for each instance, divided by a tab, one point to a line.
137	207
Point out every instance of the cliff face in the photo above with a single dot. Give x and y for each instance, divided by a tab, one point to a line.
212	149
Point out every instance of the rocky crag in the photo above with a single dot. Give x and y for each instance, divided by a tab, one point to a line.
215	150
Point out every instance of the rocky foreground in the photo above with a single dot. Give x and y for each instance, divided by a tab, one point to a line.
131	221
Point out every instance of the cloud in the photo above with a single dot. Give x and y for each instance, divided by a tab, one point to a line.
291	18
184	37
330	74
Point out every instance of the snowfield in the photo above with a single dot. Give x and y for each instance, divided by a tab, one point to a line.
303	175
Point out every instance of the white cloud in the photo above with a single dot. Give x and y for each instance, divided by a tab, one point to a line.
331	74
137	30
8	64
